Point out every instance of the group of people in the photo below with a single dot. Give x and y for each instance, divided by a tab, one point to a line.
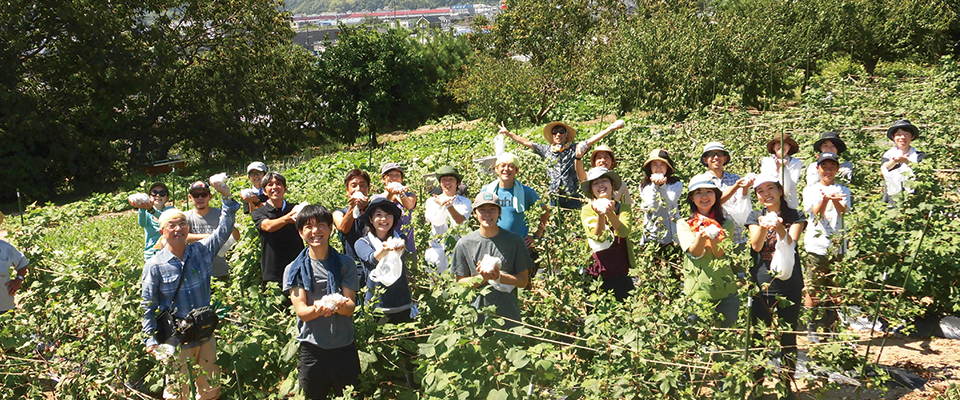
376	232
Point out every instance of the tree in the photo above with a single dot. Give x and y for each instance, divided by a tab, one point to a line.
369	83
91	88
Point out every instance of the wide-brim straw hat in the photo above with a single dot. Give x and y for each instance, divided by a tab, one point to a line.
905	125
597	173
714	146
571	133
600	148
833	137
785	137
658	155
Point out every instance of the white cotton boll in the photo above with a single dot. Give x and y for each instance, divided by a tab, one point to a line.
394	242
140	200
298	207
602	205
330	301
489	264
358	195
498	145
770	219
249	193
218	178
618	124
396	187
712	231
750	176
165	351
656	177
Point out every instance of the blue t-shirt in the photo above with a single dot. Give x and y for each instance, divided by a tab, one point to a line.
510	219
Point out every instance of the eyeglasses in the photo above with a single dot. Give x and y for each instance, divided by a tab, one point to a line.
714	154
161	193
199	195
559	131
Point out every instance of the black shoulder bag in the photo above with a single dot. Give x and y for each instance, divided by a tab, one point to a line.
198	325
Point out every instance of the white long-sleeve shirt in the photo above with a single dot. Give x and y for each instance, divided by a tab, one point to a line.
660	211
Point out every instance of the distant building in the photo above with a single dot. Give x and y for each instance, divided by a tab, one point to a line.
313	40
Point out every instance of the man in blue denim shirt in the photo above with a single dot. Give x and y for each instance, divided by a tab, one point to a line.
161	276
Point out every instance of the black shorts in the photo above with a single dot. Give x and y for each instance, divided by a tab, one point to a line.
326	371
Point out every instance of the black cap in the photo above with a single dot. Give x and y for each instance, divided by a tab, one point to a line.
827	156
833	137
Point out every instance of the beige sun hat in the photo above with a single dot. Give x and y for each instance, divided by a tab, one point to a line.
571	133
600	148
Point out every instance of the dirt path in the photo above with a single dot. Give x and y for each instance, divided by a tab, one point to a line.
936	360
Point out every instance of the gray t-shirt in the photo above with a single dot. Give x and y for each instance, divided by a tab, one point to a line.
207	224
514	259
335	331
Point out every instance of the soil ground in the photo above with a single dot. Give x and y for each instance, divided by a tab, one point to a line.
935	359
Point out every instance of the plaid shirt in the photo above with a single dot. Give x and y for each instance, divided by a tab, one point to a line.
161	274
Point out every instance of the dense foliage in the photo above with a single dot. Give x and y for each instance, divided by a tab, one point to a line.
78	329
342	6
92	88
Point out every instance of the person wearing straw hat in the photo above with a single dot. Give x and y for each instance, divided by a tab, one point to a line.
659	196
254	198
895	163
603	156
776	225
784	166
826	202
830	142
511	260
735	196
608	224
442	211
147	217
10	259
560	151
702	238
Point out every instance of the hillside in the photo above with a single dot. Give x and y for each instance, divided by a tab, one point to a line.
76	332
306	7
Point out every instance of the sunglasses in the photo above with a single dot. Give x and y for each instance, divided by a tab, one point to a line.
714	154
199	195
559	131
161	193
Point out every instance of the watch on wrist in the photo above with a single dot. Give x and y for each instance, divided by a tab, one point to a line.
19	278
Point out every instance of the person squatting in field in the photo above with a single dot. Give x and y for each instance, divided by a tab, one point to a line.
607	224
322	285
178	275
560	152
